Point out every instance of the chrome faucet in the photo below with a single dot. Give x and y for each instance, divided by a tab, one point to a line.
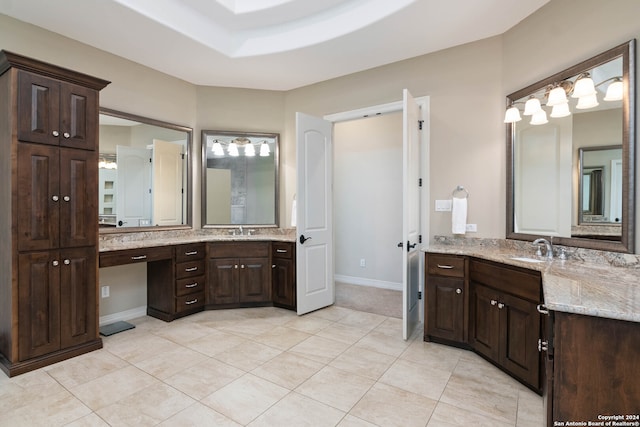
548	245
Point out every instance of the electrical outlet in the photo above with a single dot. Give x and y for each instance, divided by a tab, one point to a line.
363	263
105	291
472	228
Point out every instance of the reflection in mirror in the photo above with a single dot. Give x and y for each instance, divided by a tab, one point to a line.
571	143
240	178
143	173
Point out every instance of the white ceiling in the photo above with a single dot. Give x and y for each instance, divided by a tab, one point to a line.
270	44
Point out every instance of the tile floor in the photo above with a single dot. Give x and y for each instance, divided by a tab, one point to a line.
269	367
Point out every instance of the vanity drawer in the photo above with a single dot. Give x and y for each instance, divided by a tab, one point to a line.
519	282
190	302
190	285
130	256
239	249
445	265
190	252
189	269
282	250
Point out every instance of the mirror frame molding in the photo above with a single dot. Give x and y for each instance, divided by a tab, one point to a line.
626	244
189	200
276	159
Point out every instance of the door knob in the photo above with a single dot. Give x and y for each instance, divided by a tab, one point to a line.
400	245
410	246
303	239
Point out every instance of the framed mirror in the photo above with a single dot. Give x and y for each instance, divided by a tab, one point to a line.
570	155
144	173
239	178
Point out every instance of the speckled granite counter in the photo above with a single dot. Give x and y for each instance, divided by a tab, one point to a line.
148	239
594	283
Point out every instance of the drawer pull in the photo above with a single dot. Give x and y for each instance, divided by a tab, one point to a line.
543	345
458	291
191	253
445	267
191	302
542	309
138	257
493	302
190	269
192	285
500	305
281	251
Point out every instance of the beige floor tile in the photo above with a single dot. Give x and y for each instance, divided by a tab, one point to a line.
167	364
110	388
308	324
199	415
204	378
20	391
147	407
410	376
282	338
362	320
336	388
366	363
288	370
245	398
332	313
55	409
432	355
247	328
81	369
390	326
182	331
139	347
215	343
344	333
91	420
300	411
383	343
451	416
248	355
389	406
351	421
322	350
531	411
216	318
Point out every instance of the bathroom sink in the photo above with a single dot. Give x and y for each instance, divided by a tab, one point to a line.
526	259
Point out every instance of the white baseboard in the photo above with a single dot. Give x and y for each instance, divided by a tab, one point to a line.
361	281
123	315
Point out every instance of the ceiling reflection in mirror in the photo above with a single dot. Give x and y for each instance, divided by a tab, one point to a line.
240	178
571	147
143	173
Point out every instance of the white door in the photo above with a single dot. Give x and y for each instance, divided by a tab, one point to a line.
133	187
167	183
314	265
410	214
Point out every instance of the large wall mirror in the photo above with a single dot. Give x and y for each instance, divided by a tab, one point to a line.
239	178
570	155
143	173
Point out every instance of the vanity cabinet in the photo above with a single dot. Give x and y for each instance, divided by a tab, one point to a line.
504	322
446	299
49	233
283	274
238	274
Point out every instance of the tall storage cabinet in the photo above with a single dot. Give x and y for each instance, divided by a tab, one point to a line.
48	213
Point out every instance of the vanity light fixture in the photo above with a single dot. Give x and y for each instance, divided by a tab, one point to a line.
511	116
560	110
539	118
264	149
583	86
249	150
233	149
217	148
557	96
615	90
532	106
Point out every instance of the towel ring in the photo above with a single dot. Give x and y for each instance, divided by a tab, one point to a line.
458	189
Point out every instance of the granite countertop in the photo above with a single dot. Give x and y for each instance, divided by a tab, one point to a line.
137	240
593	284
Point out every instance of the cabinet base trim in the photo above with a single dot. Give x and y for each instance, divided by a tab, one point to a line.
12	369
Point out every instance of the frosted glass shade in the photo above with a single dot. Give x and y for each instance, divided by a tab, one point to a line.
217	149
264	149
557	96
532	106
615	91
233	150
586	102
583	87
249	150
539	118
560	110
512	115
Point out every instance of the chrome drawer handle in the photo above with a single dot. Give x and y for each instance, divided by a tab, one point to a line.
446	267
191	302
281	251
500	305
542	309
543	345
138	257
191	253
188	270
493	302
193	285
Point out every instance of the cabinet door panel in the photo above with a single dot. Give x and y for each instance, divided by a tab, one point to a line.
485	321
38	109
445	308
78	198
39	304
78	296
223	279
521	325
38	197
78	108
254	280
282	279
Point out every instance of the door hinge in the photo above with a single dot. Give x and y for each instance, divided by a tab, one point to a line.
182	156
420	238
420	122
419	182
419	294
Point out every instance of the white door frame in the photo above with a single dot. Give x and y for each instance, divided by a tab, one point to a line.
393	107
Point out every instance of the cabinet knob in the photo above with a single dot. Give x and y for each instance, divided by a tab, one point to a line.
55	263
458	291
55	198
236	266
493	302
66	198
55	133
273	266
500	305
242	266
67	262
66	135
